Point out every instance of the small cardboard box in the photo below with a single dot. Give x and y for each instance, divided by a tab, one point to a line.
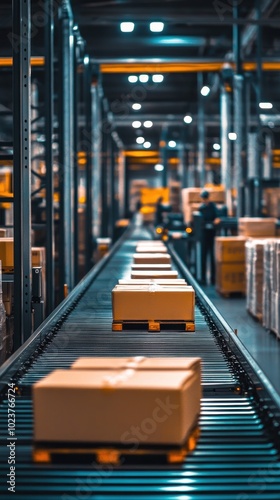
153	303
230	248
257	226
7	254
166	282
154	274
151	258
138	363
150	243
151	267
151	249
231	277
99	406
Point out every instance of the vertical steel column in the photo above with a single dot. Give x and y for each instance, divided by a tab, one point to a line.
112	194
268	157
22	171
104	175
89	164
226	146
76	101
238	180
247	108
121	187
49	98
164	155
66	156
201	132
258	180
96	128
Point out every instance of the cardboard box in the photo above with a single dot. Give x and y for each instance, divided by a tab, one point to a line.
153	303
257	226
192	194
151	267
155	274
99	406
230	248
151	258
230	277
149	242
151	249
166	282
7	254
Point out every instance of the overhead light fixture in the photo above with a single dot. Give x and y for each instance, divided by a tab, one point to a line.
157	78
156	26
172	144
143	78
136	124
148	124
127	27
86	60
159	167
147	144
216	146
75	27
266	105
187	119
232	136
136	106
205	90
140	140
133	78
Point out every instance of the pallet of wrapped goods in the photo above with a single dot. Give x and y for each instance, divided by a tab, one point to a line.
230	248
151	258
153	305
256	226
154	274
230	277
167	282
151	267
254	277
163	404
267	283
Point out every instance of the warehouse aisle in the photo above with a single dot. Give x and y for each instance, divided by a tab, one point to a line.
262	344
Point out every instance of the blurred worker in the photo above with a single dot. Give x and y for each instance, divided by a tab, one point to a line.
159	212
209	213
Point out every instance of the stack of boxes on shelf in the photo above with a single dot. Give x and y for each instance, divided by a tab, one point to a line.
191	200
150	296
230	264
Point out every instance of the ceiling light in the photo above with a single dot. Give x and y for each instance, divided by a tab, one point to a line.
156	27
157	78
144	78
147	144
136	106
232	136
216	146
266	105
148	124
127	27
86	60
140	140
136	124
205	91
133	79
187	119
158	167
172	144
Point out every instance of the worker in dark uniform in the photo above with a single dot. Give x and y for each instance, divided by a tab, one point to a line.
159	210
209	213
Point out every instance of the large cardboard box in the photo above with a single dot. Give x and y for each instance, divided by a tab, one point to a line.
153	303
151	258
166	282
257	226
137	363
151	249
230	248
154	274
7	254
151	267
230	277
192	194
96	406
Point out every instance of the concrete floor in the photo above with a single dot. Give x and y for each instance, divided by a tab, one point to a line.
262	344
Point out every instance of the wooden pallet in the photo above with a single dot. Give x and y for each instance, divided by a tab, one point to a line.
115	455
153	325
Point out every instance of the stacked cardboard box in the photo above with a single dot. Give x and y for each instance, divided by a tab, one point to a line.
230	264
272	202
191	200
254	276
256	227
120	395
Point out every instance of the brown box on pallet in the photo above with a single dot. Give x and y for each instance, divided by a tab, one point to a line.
257	226
151	258
166	282
151	267
162	303
138	363
192	195
230	277
7	254
107	406
154	274
230	248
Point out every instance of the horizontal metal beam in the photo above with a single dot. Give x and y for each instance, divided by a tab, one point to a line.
160	65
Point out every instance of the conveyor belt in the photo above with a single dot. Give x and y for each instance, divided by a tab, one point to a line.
236	457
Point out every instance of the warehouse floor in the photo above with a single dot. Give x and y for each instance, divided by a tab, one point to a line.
262	344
